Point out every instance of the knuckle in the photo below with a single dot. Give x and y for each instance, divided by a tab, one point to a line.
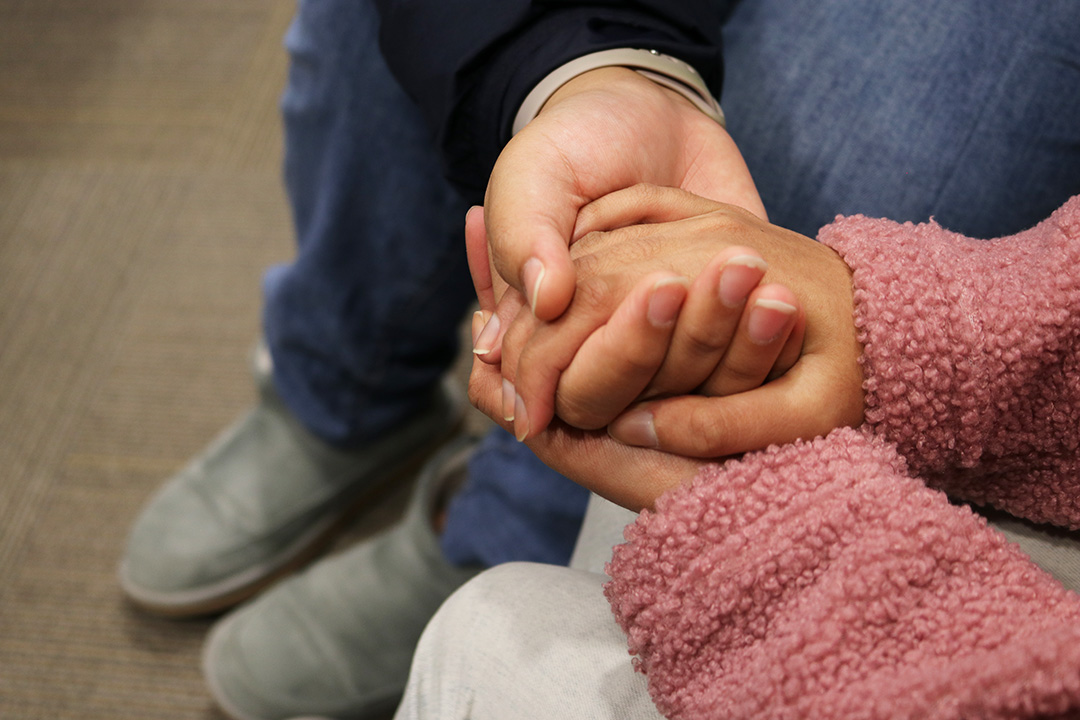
732	379
706	430
587	265
641	361
680	376
648	243
729	223
593	293
600	252
513	341
478	392
578	414
516	338
698	341
664	383
744	375
726	223
647	193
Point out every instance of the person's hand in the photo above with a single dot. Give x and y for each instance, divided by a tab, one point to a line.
731	335
603	131
628	476
632	477
820	392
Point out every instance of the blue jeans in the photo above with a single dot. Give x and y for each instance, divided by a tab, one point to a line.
964	110
365	320
961	110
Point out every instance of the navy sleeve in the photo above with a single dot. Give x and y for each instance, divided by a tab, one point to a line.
468	64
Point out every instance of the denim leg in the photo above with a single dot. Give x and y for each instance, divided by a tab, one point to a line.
965	110
512	507
364	321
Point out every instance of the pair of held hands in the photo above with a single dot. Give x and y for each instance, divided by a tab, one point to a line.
646	330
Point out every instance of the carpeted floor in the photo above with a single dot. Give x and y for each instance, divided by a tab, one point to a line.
140	200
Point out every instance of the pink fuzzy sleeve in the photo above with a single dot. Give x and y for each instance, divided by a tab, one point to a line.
819	580
972	356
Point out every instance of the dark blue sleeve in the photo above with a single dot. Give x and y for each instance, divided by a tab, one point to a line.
469	64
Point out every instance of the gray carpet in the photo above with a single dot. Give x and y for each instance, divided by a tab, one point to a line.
140	200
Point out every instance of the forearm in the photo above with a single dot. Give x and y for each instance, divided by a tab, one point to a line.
972	356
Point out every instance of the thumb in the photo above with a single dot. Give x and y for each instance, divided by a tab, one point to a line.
530	210
778	412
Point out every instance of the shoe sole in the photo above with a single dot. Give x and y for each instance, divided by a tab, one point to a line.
225	594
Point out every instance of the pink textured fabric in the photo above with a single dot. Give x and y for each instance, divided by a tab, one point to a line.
822	580
818	580
972	356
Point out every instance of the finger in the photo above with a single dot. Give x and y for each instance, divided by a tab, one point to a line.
549	350
627	476
479	320
489	343
487	339
476	250
769	317
782	411
486	336
708	320
619	359
485	391
642	203
793	348
521	328
590	458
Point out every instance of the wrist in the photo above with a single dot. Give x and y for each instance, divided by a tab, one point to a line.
606	79
969	353
623	88
677	76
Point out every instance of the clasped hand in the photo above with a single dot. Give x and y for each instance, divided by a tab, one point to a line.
648	294
695	329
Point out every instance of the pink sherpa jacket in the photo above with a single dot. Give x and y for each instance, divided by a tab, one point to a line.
833	578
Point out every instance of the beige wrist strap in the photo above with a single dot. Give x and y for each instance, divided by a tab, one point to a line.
665	70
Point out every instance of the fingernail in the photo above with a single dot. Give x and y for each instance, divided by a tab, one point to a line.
635	428
521	419
477	327
471	210
508	400
768	319
666	301
532	274
486	340
740	275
